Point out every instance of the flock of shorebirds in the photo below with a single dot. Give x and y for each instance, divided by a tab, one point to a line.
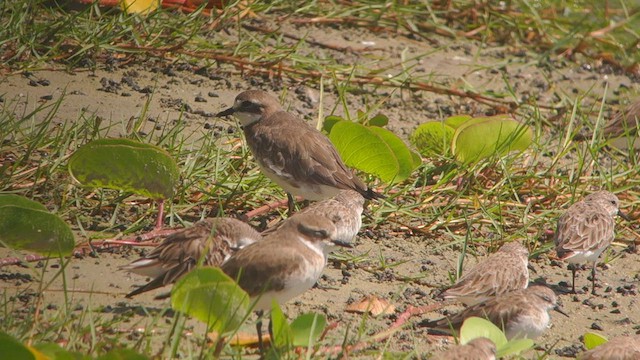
287	260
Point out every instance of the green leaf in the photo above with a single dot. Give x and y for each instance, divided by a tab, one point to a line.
593	340
514	347
11	348
127	165
432	139
373	150
481	138
55	352
364	150
404	156
379	120
329	121
475	327
282	334
27	225
307	329
212	297
122	354
457	120
21	201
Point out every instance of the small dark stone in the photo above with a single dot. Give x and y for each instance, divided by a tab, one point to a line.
596	326
212	94
200	99
125	94
46	97
33	83
44	82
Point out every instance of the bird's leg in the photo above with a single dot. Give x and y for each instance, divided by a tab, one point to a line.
291	204
593	278
573	269
259	330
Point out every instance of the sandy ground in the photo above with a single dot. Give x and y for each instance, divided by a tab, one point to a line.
122	92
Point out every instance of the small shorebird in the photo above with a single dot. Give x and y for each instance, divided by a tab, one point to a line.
293	154
502	272
521	314
619	348
477	349
585	230
285	263
622	129
211	241
344	209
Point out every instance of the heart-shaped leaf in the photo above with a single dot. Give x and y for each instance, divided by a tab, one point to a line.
21	201
433	139
212	297
475	327
404	156
11	348
27	225
373	150
593	340
127	165
282	334
481	138
55	352
307	328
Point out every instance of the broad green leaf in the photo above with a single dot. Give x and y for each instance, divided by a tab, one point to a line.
475	327
457	120
21	201
212	297
122	354
379	120
481	138
27	225
127	165
364	150
329	121
514	347
282	334
142	7
55	352
404	156
432	139
307	328
593	340
11	348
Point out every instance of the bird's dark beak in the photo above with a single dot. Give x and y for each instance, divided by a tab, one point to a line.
560	310
227	112
623	215
342	243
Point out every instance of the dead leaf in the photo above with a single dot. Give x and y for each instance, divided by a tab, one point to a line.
373	305
241	338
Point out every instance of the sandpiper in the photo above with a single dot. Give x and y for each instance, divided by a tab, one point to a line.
619	348
502	272
344	209
211	241
477	349
285	263
293	154
521	314
585	230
